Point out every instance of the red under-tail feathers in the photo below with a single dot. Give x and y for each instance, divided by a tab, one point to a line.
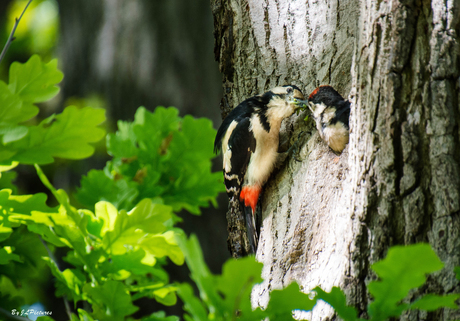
250	196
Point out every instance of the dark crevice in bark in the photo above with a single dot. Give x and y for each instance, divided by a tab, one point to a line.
376	114
456	112
423	149
363	276
267	29
397	146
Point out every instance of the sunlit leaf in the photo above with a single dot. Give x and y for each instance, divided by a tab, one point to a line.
66	135
164	245
130	228
283	302
403	269
236	283
336	298
35	81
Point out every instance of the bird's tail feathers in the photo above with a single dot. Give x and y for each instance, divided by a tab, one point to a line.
253	236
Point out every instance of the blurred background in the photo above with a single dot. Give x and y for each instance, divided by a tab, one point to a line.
120	55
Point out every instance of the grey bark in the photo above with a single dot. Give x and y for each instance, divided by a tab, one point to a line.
327	219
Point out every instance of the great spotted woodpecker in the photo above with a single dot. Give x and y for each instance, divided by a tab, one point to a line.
249	138
331	113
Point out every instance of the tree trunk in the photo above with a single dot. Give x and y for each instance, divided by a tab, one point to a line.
328	218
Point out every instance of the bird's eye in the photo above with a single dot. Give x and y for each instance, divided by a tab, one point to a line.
289	90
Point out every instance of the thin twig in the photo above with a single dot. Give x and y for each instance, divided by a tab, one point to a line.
53	258
11	37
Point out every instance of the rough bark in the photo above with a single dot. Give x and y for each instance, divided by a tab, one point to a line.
327	219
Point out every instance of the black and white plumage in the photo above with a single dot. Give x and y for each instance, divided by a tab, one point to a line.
249	139
331	113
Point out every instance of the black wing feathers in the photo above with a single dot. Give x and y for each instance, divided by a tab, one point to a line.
242	144
238	113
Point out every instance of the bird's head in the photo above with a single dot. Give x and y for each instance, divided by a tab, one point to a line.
283	100
288	93
321	98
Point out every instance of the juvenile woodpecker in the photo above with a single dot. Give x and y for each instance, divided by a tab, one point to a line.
331	113
249	138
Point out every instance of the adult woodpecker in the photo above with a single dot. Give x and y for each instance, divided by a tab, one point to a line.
249	138
331	113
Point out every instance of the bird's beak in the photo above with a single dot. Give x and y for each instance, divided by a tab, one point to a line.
294	97
301	104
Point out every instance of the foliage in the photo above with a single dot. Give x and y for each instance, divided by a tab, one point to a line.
227	296
158	155
66	135
117	250
114	256
403	270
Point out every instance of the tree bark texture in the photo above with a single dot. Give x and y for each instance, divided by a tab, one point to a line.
328	218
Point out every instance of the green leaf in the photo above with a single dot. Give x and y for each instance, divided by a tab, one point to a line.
5	232
26	268
6	181
192	304
32	211
336	298
132	262
24	204
166	295
283	302
35	81
12	133
69	282
151	128
110	301
142	228
164	245
66	135
7	167
189	165
158	155
200	273
27	209
123	143
160	316
7	255
14	110
457	272
403	269
84	315
108	214
432	302
236	283
97	186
